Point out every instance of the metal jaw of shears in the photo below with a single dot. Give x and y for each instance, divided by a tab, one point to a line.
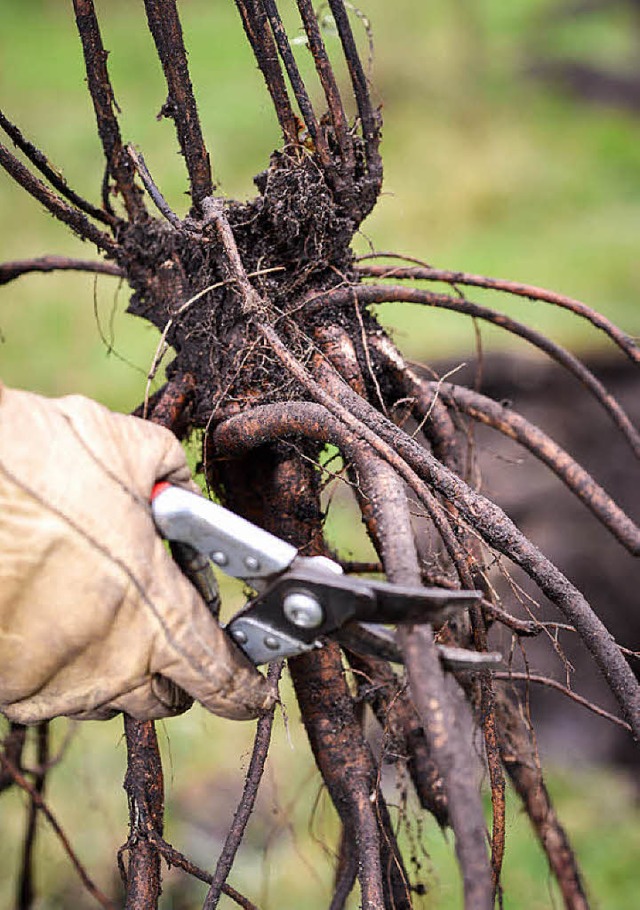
300	600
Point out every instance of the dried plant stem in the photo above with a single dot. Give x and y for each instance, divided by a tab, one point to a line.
150	186
298	87
257	29
328	80
164	24
104	104
370	128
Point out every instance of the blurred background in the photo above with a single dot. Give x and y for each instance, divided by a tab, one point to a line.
511	147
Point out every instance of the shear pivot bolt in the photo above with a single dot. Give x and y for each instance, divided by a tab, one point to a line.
303	609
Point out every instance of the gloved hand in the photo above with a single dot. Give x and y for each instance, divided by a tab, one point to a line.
95	616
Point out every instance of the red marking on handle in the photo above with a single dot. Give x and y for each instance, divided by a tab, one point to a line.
159	488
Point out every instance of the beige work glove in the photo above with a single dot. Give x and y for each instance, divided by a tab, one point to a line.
95	616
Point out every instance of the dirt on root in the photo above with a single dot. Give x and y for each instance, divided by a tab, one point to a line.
293	239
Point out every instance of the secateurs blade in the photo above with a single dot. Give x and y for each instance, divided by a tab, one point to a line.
299	600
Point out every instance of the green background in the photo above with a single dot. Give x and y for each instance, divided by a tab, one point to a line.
485	170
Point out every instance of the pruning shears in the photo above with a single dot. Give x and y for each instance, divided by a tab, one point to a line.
299	600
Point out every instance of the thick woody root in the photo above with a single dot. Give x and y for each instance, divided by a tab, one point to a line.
287	501
437	703
144	782
388	497
309	419
422	472
337	741
170	405
144	785
451	747
405	740
510	734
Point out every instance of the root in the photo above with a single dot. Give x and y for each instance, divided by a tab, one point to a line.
327	707
247	802
370	294
411	461
624	341
521	761
573	475
144	785
350	774
8	769
276	354
12	749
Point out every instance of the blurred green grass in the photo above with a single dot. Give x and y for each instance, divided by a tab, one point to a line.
485	171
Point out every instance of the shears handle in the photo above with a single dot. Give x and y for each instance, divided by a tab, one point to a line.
194	565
